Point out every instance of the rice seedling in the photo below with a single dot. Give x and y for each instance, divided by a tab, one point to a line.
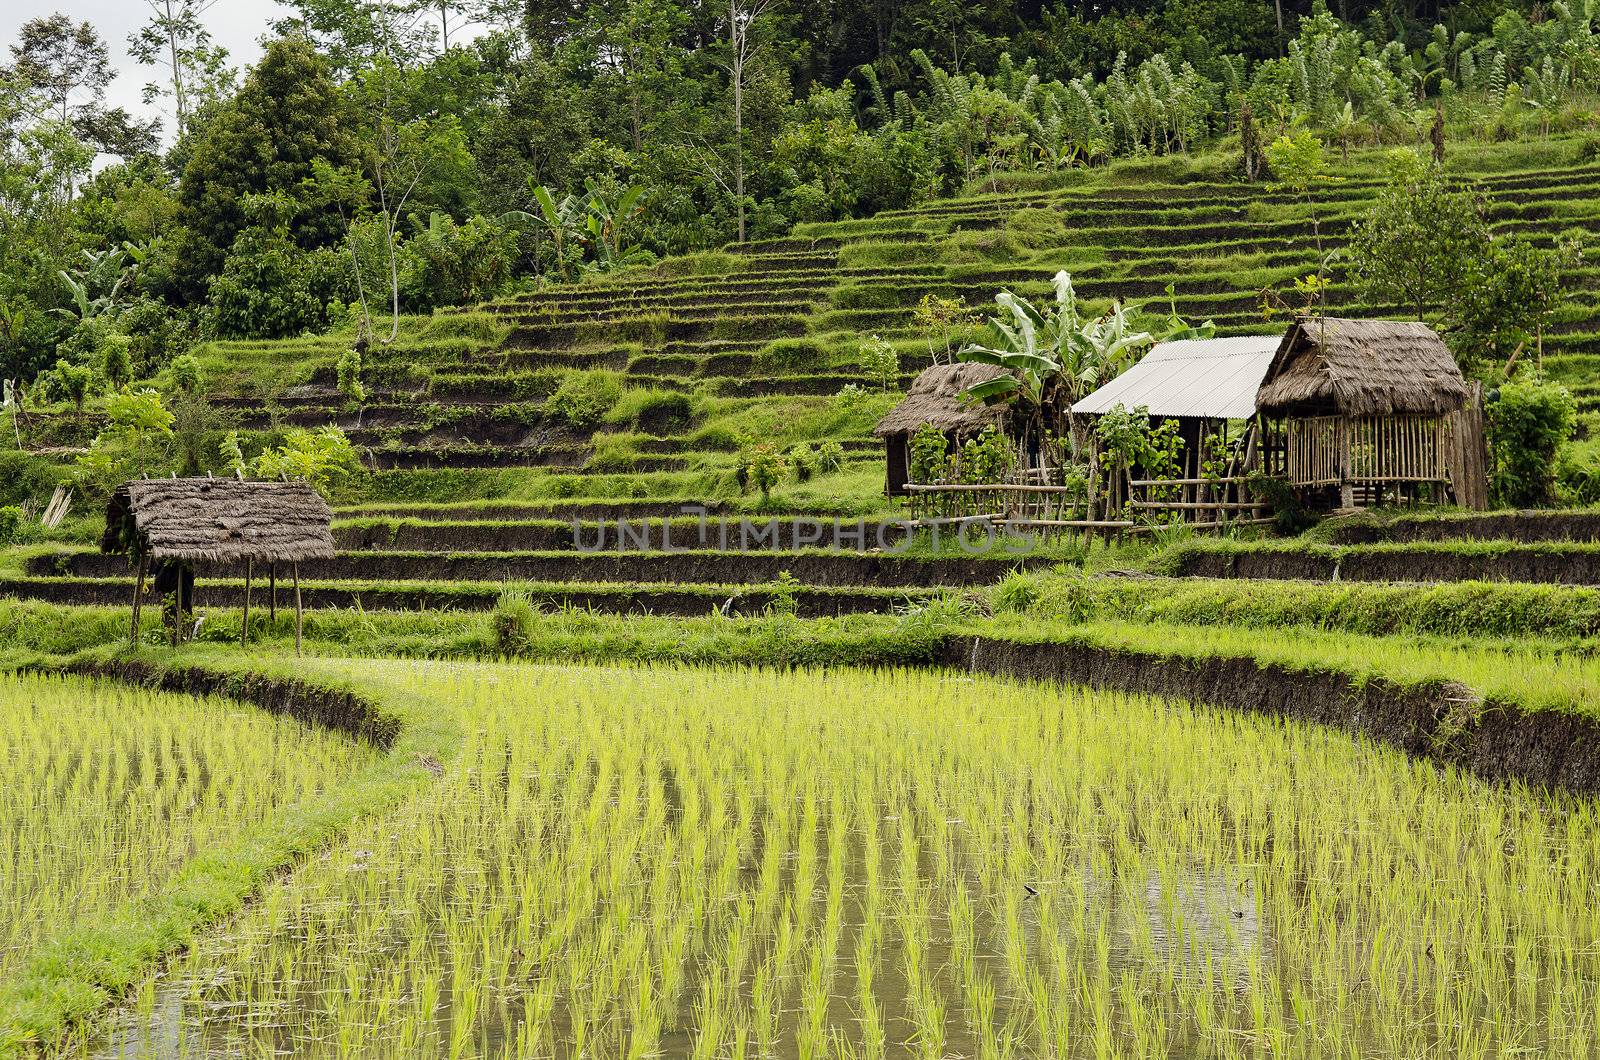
740	863
110	788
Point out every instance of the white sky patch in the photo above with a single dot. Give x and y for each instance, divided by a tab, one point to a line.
236	25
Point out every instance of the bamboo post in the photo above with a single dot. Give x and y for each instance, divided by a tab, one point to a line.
244	627
295	568
272	591
177	609
138	598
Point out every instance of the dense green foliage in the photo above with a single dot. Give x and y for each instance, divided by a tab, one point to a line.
372	162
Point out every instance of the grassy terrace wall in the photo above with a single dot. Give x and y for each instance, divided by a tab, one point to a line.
1557	562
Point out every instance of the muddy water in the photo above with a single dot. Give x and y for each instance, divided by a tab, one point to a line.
1200	923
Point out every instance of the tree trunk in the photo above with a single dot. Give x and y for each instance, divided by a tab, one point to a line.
179	101
737	37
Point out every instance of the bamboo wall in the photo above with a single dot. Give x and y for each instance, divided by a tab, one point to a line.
1335	450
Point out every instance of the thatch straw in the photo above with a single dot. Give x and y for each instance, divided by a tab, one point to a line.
219	520
1362	367
935	397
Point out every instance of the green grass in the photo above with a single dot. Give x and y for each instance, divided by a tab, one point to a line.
1475	609
810	860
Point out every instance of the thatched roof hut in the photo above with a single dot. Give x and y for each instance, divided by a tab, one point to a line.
935	397
1334	365
219	521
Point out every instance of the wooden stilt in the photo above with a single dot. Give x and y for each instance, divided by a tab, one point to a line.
244	627
272	591
297	610
138	600
177	611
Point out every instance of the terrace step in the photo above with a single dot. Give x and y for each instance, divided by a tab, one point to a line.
561	510
1551	563
815	568
687	600
1522	527
552	535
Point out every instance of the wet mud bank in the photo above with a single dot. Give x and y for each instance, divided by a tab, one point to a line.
328	707
1548	564
1525	527
1446	723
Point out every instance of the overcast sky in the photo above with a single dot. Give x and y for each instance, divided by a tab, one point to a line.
237	25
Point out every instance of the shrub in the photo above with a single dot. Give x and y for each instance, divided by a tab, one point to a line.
880	363
788	356
584	398
186	375
133	443
865	296
116	366
1528	423
830	457
784	592
514	619
762	468
66	382
323	457
929	460
804	461
988	458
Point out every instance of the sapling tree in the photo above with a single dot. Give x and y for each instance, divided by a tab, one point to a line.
880	363
1301	167
197	69
1424	240
744	42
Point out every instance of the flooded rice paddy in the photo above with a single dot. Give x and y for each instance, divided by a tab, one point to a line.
691	863
107	790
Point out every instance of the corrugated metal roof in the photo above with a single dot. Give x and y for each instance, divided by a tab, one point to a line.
1214	378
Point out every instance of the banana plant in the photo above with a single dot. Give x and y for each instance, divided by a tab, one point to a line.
1056	356
560	217
603	224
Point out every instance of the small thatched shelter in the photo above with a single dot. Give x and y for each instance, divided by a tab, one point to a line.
1360	406
225	522
935	398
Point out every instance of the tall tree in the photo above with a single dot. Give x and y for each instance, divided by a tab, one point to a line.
176	38
60	59
633	42
351	34
67	67
744	42
288	114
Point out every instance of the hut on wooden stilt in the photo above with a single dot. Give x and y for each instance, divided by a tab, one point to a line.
1360	411
184	522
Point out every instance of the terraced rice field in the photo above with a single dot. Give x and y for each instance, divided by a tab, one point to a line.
110	790
629	863
705	354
